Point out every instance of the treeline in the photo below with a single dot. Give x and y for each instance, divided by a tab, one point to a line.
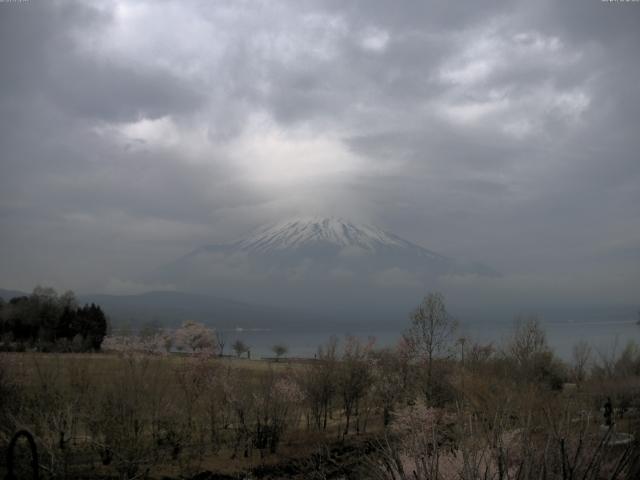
45	321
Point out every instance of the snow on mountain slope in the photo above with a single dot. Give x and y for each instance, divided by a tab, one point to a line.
328	232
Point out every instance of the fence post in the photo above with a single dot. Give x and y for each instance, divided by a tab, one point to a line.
10	454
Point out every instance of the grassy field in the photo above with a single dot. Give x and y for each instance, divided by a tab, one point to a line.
167	402
356	412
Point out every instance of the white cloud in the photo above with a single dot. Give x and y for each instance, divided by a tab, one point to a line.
271	155
161	132
374	40
470	112
483	84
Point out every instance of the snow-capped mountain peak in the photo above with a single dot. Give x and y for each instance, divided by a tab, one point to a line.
303	232
319	261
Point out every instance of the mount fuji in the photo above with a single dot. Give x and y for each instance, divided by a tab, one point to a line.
330	263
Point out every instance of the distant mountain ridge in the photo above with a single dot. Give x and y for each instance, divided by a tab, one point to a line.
171	308
7	295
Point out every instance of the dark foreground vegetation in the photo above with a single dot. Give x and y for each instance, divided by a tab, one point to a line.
434	407
48	322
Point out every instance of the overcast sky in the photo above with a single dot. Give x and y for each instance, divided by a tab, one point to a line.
505	132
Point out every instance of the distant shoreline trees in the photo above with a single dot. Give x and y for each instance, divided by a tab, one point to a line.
240	347
279	350
46	321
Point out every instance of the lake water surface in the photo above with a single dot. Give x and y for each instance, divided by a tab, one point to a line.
603	336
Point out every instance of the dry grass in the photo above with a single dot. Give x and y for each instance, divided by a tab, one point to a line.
491	414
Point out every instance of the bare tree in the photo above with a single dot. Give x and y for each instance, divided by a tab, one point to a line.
581	357
277	401
390	384
318	383
221	342
431	331
528	340
355	376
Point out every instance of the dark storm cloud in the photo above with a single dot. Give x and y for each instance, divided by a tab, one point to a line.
132	132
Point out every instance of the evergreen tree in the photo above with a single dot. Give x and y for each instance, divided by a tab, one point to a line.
47	318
